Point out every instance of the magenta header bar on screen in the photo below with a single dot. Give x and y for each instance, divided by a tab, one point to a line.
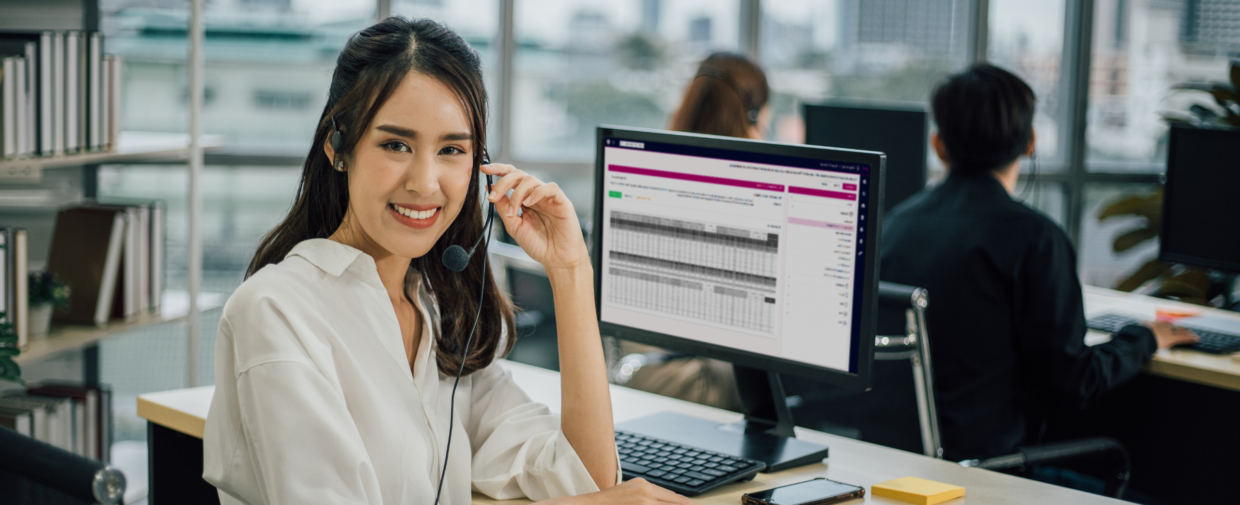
823	193
696	178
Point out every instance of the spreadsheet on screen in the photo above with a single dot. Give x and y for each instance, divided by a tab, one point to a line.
733	251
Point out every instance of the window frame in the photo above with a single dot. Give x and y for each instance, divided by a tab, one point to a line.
1072	174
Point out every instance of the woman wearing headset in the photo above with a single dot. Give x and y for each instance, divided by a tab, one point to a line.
337	359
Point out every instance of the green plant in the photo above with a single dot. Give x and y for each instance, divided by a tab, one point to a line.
46	288
9	370
1226	96
1185	283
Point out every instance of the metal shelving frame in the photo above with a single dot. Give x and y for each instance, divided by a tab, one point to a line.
35	15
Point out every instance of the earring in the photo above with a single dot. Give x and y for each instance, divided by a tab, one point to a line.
340	166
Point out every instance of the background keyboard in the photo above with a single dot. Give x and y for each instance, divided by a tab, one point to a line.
684	469
1212	342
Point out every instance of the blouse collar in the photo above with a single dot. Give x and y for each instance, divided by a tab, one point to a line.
335	258
330	256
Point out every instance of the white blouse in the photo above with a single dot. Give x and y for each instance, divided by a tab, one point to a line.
315	402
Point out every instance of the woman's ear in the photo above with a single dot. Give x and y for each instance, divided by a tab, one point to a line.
327	149
1033	142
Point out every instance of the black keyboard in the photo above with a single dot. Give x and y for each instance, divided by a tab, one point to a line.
1212	342
684	469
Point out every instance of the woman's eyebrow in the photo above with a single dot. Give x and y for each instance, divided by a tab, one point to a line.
407	133
396	130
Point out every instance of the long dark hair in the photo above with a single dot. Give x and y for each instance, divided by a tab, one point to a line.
370	67
724	97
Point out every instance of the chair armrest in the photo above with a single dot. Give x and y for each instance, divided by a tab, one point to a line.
55	468
1073	450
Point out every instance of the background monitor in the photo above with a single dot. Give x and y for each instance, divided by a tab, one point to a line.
1199	225
756	253
900	131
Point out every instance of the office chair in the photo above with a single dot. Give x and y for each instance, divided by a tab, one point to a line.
914	345
34	472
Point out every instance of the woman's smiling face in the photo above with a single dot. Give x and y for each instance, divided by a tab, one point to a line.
410	172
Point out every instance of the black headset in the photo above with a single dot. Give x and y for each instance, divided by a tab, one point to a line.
455	258
751	111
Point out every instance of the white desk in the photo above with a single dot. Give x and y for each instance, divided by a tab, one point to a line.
851	461
1182	364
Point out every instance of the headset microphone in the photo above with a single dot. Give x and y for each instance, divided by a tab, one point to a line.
456	259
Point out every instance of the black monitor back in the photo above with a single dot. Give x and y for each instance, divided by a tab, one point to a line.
1200	225
900	131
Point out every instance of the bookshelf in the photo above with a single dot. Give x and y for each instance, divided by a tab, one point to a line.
132	147
32	187
68	337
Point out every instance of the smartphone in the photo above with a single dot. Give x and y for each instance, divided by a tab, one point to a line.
811	492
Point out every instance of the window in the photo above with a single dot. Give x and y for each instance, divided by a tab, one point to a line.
268	65
281	100
582	63
476	21
1141	48
884	50
1027	38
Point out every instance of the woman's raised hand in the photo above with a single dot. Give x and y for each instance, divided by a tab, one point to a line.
547	227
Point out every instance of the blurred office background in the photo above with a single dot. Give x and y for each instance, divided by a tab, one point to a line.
557	68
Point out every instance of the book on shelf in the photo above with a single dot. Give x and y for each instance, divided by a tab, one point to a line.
10	97
14	281
26	104
73	91
141	287
86	254
56	425
71	416
114	66
91	413
46	118
63	94
58	92
111	255
19	420
94	83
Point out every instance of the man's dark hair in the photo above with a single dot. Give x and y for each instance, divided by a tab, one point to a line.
985	118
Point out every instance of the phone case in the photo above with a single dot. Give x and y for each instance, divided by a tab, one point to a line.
859	493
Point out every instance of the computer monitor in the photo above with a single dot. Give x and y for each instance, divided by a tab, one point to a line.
757	253
1199	225
900	131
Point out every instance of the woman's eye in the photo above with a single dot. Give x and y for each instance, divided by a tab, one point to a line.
451	150
399	147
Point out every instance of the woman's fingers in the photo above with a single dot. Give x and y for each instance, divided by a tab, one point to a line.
648	492
509	178
499	169
521	192
547	192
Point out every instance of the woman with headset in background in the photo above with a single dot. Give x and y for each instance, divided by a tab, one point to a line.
727	96
339	360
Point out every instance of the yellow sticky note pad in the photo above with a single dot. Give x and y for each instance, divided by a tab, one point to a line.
916	490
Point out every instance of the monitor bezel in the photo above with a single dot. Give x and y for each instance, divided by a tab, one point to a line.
1168	213
869	307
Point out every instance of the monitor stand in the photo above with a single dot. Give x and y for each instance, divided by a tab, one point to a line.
765	434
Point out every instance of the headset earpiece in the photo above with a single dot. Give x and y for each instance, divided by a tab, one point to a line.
335	136
751	113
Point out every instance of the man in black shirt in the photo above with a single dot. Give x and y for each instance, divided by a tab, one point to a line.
1006	316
